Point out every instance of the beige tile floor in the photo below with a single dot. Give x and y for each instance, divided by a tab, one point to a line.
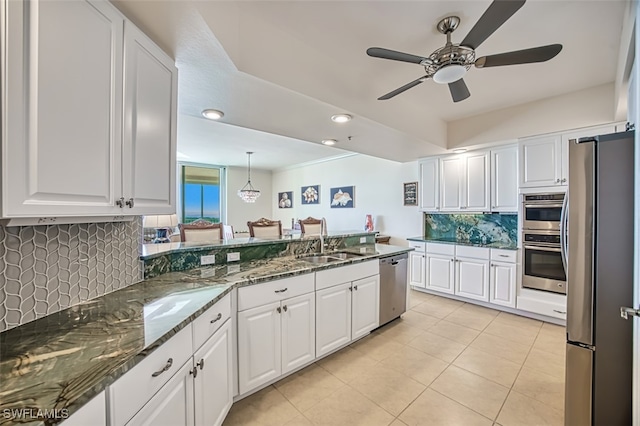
444	363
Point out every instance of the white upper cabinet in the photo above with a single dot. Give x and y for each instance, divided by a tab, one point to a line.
451	169
504	179
475	187
429	184
63	111
541	161
465	182
149	157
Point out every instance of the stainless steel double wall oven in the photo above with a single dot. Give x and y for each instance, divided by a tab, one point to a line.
544	263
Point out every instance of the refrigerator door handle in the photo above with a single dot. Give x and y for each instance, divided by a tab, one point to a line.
563	230
625	312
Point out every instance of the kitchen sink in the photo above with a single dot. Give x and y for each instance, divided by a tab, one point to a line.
327	258
320	259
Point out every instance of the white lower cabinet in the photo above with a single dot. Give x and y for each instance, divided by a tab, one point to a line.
417	276
472	278
93	413
440	270
213	384
502	284
274	339
172	405
333	314
346	312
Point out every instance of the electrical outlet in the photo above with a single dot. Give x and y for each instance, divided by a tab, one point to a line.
363	249
363	240
207	260
233	257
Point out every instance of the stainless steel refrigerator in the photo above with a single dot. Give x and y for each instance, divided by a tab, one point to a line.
597	242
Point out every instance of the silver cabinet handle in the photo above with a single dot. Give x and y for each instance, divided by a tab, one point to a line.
503	255
560	312
564	180
165	368
557	180
452	260
194	372
281	290
350	288
355	287
129	203
279	310
200	364
284	308
120	202
218	318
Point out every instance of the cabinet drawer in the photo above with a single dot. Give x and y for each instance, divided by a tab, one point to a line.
132	391
343	274
418	246
542	307
446	249
509	256
269	292
473	252
208	323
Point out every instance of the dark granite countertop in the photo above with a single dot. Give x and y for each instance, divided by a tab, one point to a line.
63	360
149	251
496	245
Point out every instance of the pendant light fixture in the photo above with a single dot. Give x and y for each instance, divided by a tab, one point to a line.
248	193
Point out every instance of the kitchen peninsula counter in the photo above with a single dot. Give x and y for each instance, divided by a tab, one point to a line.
63	360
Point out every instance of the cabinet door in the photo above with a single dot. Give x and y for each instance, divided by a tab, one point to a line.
429	184
365	306
259	346
93	413
502	284
416	269
440	272
149	129
450	183
63	109
540	161
472	278
504	179
475	187
172	405
213	386
333	318
298	331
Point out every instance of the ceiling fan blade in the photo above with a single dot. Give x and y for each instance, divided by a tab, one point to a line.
496	14
459	90
379	52
525	56
402	89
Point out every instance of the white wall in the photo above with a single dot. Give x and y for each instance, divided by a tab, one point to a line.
239	212
378	191
584	108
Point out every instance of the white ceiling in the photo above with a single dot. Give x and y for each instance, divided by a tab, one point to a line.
284	67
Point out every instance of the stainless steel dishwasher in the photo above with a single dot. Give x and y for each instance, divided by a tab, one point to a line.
393	287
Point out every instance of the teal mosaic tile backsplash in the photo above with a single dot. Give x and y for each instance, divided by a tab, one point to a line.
472	228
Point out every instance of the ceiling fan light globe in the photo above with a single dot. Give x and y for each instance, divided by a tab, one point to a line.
449	74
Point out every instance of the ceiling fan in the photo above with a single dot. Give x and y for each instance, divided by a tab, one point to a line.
448	64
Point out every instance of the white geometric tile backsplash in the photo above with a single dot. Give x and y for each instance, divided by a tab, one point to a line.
44	269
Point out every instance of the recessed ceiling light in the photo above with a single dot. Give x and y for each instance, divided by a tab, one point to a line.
341	118
329	141
459	151
212	114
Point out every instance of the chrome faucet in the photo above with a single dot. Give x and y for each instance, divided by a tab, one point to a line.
322	231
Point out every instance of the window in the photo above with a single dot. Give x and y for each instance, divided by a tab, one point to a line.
200	191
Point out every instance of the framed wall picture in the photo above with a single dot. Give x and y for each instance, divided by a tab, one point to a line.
285	199
310	194
343	197
410	194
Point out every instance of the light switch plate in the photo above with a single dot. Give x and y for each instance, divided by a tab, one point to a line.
208	259
363	240
232	257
